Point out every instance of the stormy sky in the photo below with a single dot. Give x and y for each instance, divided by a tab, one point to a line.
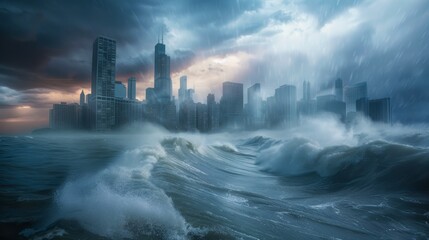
46	48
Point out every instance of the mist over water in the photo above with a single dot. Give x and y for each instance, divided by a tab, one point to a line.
319	180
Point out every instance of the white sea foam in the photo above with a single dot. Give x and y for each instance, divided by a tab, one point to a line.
110	204
325	147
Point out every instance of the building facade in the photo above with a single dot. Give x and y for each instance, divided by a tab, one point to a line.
101	104
64	116
254	114
131	88
231	105
353	93
286	105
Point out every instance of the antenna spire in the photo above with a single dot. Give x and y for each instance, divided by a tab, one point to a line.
162	35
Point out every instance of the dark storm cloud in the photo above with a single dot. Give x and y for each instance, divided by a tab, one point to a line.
53	40
181	59
40	37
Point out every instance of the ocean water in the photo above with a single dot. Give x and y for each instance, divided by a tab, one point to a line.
318	181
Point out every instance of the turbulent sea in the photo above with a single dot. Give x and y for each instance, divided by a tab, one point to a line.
318	181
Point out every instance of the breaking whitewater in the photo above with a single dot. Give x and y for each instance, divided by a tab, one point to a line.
319	180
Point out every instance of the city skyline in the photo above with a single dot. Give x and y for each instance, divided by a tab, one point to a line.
108	107
237	50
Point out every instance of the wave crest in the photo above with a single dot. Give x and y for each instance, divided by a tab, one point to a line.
371	164
108	203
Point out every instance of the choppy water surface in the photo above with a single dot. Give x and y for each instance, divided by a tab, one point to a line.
317	181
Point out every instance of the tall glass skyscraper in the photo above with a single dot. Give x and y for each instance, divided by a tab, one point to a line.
306	96
353	93
285	97
183	90
132	88
163	85
82	98
103	67
102	104
254	106
232	105
339	89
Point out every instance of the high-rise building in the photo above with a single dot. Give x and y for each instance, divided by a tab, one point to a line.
212	113
254	106
120	90
378	110
272	118
201	117
163	84
82	98
306	96
362	106
127	111
64	116
285	97
306	106
160	106
339	89
188	116
190	94
183	90
132	88
150	96
88	97
330	104
102	104
103	67
353	93
231	105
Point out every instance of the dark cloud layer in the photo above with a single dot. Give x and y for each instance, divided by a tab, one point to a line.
52	40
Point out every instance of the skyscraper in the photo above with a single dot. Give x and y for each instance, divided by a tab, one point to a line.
102	104
160	106
163	84
132	88
212	113
231	105
272	118
254	106
285	97
329	103
306	106
353	93
362	106
150	96
82	98
379	110
201	117
183	90
64	116
188	115
339	89
306	91
88	97
103	67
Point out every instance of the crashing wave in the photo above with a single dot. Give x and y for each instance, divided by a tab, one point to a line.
373	163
